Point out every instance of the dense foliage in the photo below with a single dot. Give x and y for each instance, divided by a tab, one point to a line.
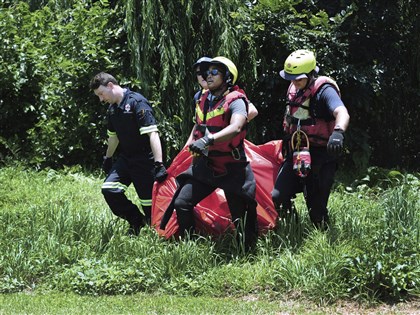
51	49
48	115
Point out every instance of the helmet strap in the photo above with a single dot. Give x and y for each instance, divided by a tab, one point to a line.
311	78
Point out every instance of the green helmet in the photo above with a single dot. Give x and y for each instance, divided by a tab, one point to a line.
298	65
231	74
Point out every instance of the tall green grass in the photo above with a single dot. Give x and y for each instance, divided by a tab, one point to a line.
58	234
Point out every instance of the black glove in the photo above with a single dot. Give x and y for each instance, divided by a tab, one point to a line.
107	164
160	172
335	143
200	146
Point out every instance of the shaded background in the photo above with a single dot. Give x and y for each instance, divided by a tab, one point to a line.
50	50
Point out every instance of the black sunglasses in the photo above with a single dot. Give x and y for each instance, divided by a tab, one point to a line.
213	72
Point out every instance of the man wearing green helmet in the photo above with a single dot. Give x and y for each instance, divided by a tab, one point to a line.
217	145
314	109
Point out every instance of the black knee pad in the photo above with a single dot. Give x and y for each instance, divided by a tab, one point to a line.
183	204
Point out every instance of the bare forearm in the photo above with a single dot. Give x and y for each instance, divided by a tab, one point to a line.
112	146
156	146
190	138
342	118
237	122
252	111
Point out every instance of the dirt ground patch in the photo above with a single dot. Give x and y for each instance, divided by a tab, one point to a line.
348	308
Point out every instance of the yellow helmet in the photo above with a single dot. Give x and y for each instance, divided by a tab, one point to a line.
298	65
231	74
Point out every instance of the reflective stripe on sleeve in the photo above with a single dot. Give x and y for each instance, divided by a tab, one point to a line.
148	129
114	186
146	202
111	133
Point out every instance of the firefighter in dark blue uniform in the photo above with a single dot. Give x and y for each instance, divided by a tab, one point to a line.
133	129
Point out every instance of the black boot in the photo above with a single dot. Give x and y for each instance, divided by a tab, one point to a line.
136	220
147	214
185	218
321	225
320	222
251	229
136	225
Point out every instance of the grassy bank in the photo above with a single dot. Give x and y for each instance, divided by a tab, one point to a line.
58	235
141	303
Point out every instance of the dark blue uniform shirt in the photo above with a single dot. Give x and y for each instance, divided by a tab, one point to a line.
131	121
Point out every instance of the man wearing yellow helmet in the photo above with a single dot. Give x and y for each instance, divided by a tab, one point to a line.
314	109
252	110
218	149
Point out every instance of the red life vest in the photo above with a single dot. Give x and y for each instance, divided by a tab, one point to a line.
298	111
217	118
238	89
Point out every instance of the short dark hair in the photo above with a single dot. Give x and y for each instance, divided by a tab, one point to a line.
102	78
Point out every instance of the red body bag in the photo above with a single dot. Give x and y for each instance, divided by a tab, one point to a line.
212	215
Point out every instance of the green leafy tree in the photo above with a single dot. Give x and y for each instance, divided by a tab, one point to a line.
50	57
165	39
51	49
369	47
276	28
383	70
